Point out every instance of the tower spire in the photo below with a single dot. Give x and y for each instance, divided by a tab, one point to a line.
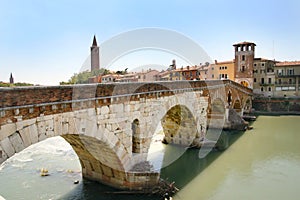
94	42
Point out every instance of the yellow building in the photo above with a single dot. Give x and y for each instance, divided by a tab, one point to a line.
222	70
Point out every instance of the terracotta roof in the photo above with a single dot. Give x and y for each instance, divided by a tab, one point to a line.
244	43
288	63
224	62
263	59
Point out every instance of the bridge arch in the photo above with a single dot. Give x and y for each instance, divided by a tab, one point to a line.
247	105
237	105
179	126
218	106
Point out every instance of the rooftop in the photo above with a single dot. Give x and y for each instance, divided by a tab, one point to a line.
288	63
244	43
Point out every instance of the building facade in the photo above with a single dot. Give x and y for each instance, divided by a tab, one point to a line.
222	70
264	77
287	79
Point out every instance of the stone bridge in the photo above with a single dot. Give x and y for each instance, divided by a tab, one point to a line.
110	126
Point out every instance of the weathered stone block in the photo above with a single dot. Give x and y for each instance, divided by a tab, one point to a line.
3	155
16	142
104	110
33	133
107	171
25	136
7	130
7	147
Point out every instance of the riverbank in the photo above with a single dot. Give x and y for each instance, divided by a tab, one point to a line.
276	105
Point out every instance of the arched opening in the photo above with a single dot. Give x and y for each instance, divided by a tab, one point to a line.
217	106
179	126
229	98
237	106
248	106
135	126
245	83
98	159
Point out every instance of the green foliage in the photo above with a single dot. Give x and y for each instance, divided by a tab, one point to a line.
14	84
83	77
5	84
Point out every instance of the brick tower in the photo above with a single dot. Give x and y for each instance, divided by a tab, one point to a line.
95	60
243	63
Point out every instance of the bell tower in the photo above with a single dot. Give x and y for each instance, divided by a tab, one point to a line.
95	60
243	63
11	79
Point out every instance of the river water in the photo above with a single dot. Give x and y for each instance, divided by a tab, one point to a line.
262	163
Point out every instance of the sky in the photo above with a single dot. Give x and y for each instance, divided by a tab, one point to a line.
47	41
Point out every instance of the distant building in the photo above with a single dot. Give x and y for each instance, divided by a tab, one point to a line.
147	76
109	78
11	79
95	58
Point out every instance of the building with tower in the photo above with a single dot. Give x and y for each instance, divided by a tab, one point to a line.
243	63
95	58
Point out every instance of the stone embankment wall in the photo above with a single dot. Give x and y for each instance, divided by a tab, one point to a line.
277	105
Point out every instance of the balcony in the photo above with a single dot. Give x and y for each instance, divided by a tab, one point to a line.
288	75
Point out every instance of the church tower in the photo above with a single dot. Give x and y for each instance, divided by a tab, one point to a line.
95	60
243	63
11	79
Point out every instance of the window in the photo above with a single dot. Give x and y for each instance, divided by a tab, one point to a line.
225	67
262	81
290	81
270	80
212	76
220	68
254	64
290	72
270	89
262	89
243	68
279	81
263	64
254	80
243	57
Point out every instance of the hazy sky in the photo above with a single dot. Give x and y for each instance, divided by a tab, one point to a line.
47	41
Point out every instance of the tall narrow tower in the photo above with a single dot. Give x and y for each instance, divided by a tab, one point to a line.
11	79
243	63
95	60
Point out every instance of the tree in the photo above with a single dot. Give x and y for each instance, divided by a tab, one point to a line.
83	77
